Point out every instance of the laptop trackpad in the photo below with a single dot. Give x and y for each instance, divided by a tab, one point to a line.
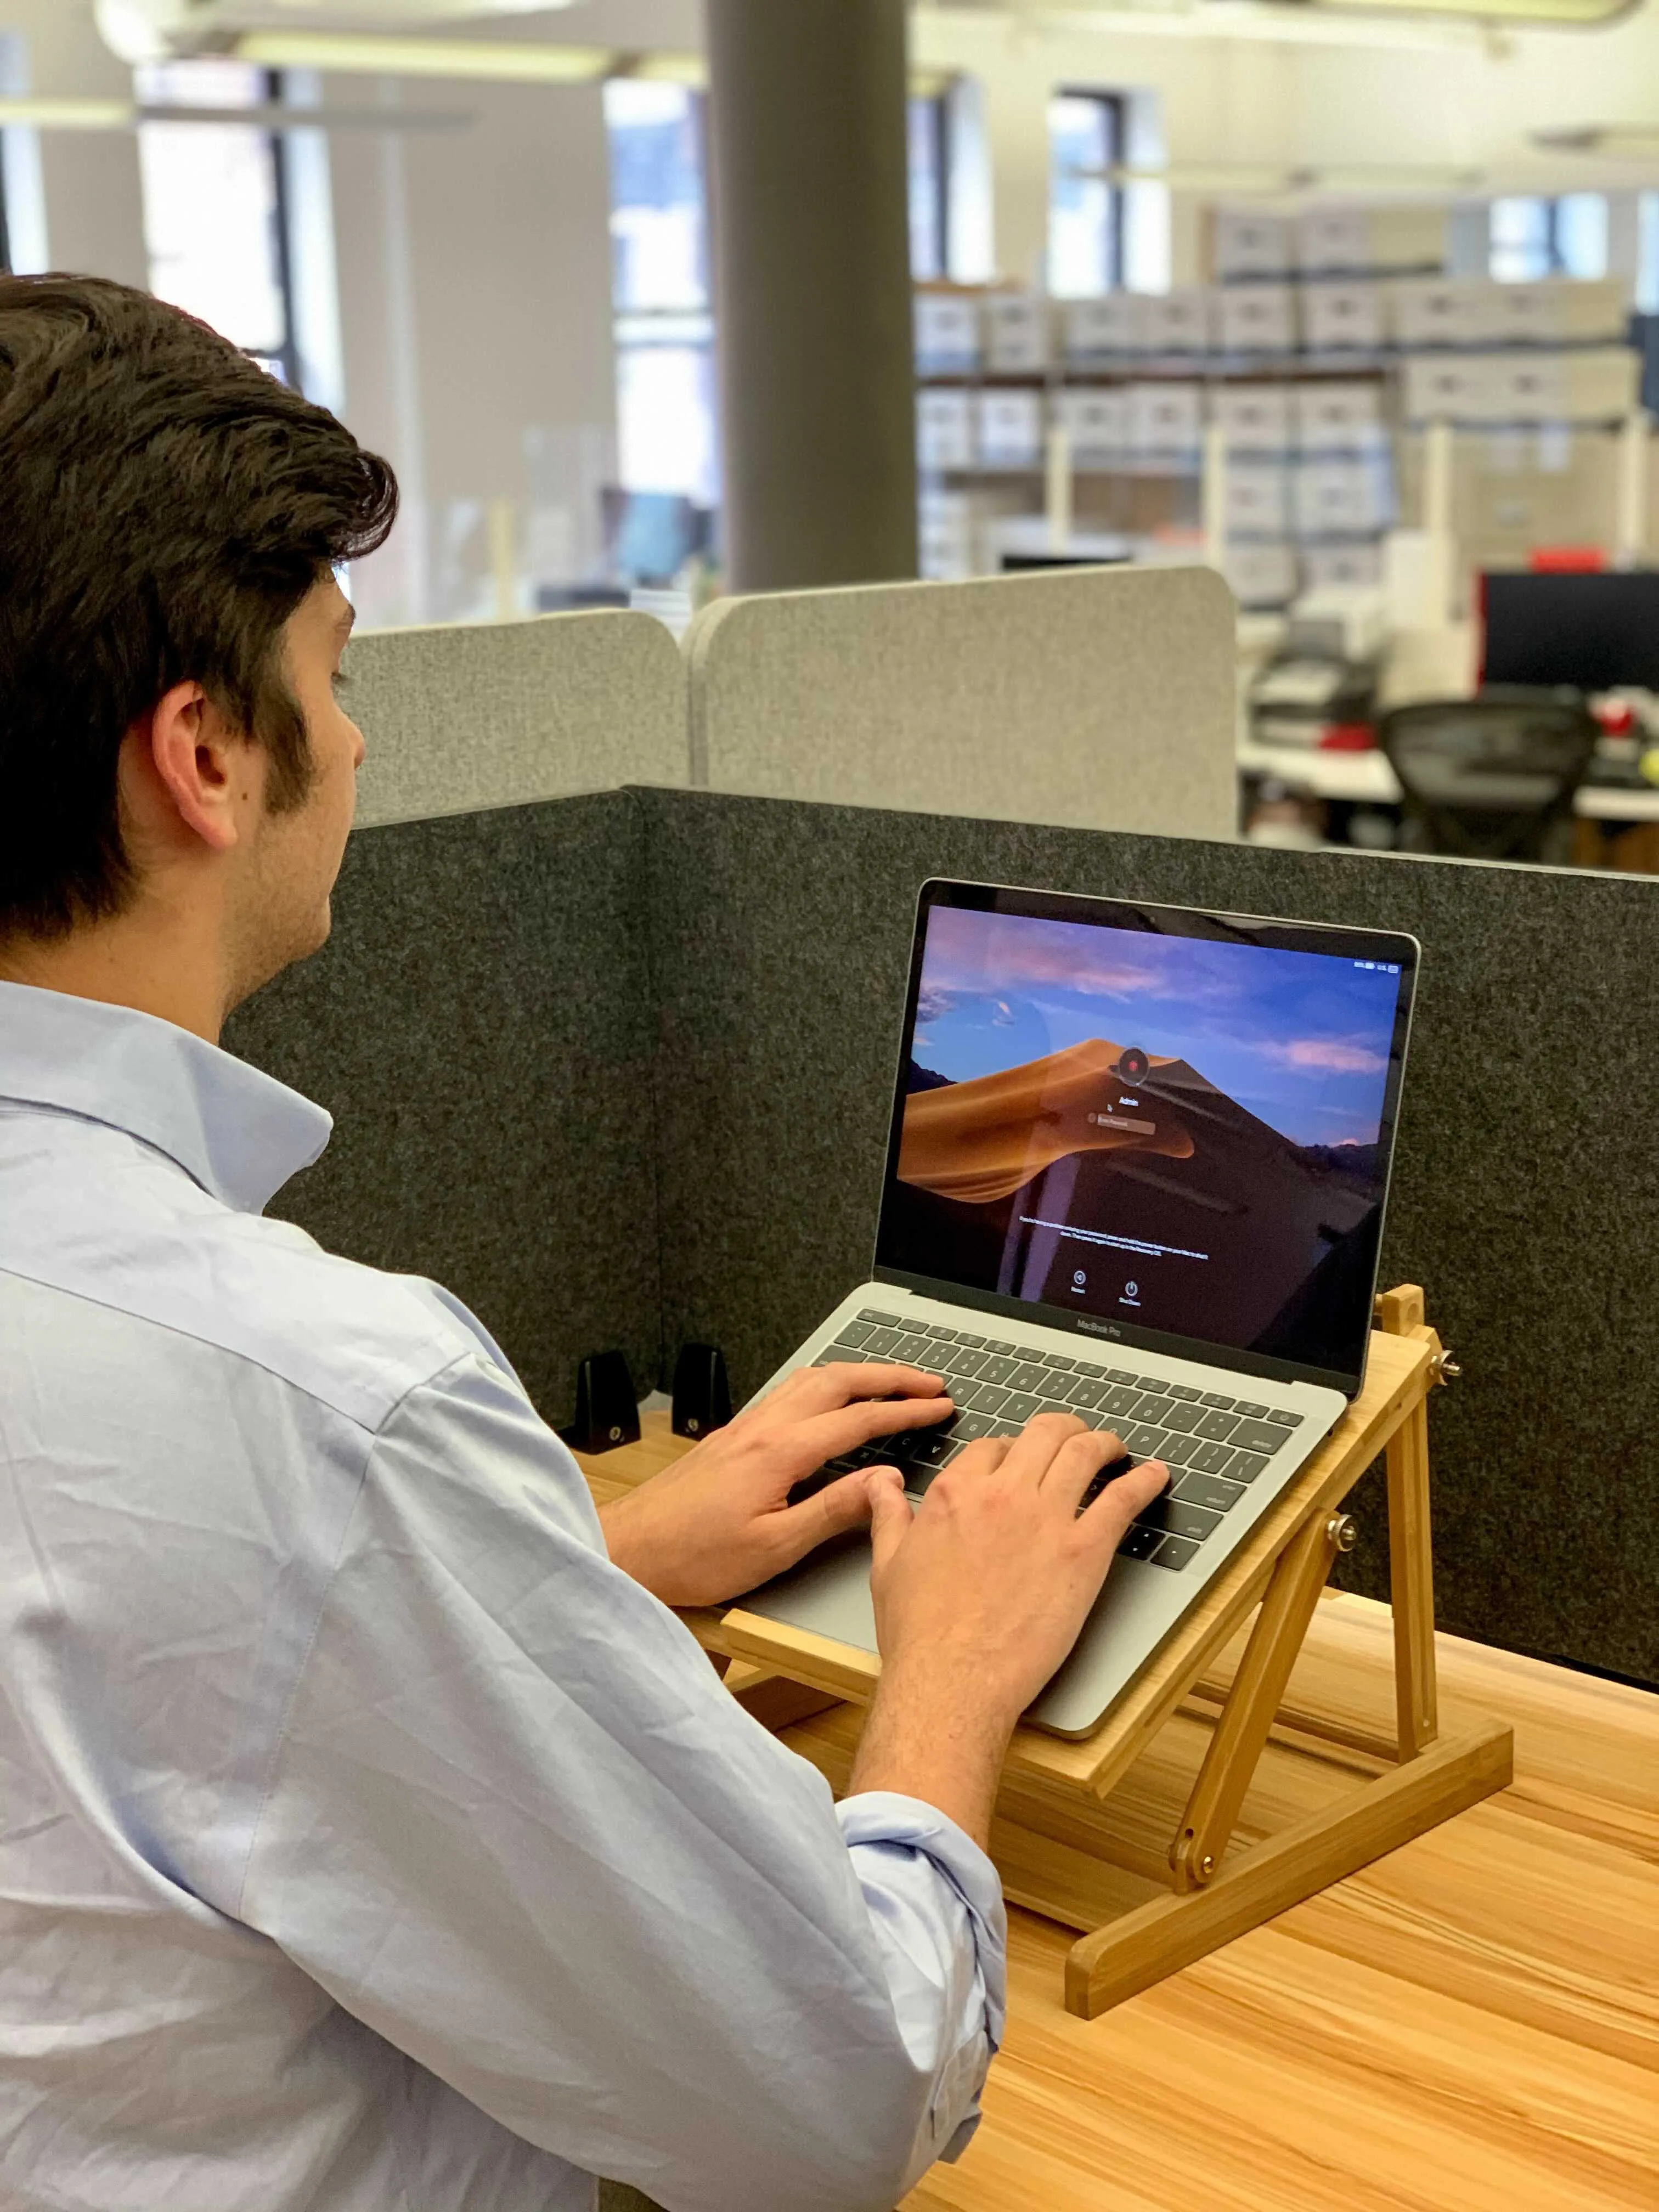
827	1594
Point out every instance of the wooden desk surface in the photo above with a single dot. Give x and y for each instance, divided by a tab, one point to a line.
1471	2025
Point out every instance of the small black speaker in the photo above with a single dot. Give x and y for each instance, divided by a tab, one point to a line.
702	1396
607	1411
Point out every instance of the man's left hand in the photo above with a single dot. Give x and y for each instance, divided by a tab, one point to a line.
719	1521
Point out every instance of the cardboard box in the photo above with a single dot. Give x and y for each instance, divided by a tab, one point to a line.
1338	418
1341	498
1436	311
946	536
1263	575
945	430
1016	327
1099	333
1335	241
1009	427
1257	502
1255	418
1176	322
1557	311
947	335
1451	387
1344	318
1166	421
1097	424
1251	244
1256	318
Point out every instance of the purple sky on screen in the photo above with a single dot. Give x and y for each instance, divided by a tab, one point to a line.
1301	1039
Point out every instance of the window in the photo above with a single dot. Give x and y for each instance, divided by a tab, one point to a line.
930	186
1085	141
661	291
215	216
1533	237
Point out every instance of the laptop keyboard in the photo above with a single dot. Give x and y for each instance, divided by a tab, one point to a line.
1214	1446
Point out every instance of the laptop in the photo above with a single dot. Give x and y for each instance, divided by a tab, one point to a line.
1137	1169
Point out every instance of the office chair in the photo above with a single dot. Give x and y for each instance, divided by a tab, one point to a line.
1491	778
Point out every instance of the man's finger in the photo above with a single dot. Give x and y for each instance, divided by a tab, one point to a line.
1117	1506
1033	1450
828	1435
1077	1462
889	1514
845	1382
828	1512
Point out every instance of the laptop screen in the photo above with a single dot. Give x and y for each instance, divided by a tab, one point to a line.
1171	1128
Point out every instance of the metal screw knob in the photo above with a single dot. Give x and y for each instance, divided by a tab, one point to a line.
1341	1532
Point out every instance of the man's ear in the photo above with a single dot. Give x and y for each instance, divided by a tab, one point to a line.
199	764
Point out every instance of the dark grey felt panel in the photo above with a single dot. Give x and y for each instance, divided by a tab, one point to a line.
478	1026
1525	1194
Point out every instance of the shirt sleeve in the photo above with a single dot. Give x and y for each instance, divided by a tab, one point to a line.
514	1824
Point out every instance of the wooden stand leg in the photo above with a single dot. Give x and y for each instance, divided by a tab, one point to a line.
1410	1554
1258	1690
1131	1954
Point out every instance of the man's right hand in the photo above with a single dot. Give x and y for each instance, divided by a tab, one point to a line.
979	1597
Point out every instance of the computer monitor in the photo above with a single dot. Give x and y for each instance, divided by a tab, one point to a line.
1594	632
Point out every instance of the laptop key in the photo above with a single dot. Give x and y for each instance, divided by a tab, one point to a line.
1088	1367
934	1450
1185	1418
1085	1395
1217	1427
967	1428
1121	1401
966	1363
1173	1552
1244	1466
834	1354
1209	1458
1139	1543
880	1345
1152	1406
995	1344
1020	1406
1057	1359
881	1320
1032	1375
1171	1518
909	1351
1000	1428
854	1332
1183	1390
1222	1404
1285	1420
1208	1489
1257	1436
937	1335
1249	1413
1145	1441
1122	1375
997	1369
973	1343
981	1399
1179	1449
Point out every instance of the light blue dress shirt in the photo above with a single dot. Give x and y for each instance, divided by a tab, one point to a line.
368	1843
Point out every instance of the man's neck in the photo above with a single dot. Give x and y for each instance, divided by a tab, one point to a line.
134	960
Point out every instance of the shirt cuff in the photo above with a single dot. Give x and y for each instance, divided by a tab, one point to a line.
882	1816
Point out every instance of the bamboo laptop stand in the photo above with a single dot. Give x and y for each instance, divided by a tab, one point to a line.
1204	1804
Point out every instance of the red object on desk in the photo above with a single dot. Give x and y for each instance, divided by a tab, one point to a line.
1348	738
1566	560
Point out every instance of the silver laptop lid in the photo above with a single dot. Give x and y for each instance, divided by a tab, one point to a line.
1148	1124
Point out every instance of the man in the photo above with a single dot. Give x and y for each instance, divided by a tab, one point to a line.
373	1837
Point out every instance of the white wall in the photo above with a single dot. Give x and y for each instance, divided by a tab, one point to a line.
94	219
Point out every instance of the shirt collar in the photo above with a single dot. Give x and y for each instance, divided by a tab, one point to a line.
239	1134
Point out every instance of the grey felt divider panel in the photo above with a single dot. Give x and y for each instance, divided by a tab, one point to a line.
1104	698
468	715
479	1026
1525	1194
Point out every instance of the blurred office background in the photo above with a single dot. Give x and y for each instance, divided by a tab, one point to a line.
1353	304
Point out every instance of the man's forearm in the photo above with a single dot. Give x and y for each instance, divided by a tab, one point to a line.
935	1734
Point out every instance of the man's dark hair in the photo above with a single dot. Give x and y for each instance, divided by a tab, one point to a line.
165	506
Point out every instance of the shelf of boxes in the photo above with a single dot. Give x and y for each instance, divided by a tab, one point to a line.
1313	364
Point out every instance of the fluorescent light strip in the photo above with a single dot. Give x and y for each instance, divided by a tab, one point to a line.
40	114
473	60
